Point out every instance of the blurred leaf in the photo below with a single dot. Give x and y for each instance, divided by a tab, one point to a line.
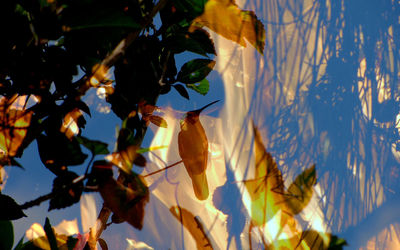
57	151
84	107
9	209
127	202
228	20
67	193
301	190
14	126
125	159
50	235
195	70
96	147
71	242
72	122
201	87
101	18
158	121
192	8
20	244
198	41
336	243
140	160
266	190
145	150
191	224
103	244
6	234
10	161
181	90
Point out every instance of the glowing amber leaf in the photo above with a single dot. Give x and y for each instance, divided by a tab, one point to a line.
193	149
126	158
100	74
227	19
266	190
193	225
14	125
70	123
301	190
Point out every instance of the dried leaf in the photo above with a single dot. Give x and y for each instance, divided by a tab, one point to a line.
227	19
192	225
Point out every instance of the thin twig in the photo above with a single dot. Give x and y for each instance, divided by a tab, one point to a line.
163	169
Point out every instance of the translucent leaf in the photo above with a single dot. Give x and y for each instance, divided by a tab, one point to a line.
96	147
158	121
201	87
301	190
195	70
125	159
227	19
193	226
266	190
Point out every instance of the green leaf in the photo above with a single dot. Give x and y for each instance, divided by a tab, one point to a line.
195	70
50	235
201	87
96	147
66	192
6	234
198	42
20	244
336	243
181	90
301	190
103	18
193	8
9	209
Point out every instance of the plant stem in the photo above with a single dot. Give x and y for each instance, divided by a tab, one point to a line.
163	169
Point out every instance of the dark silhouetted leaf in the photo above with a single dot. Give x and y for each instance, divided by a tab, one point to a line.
84	107
50	235
336	243
71	242
103	244
192	8
127	202
158	121
195	70
66	192
96	147
301	190
140	160
198	42
189	221
201	87
6	234
181	90
9	209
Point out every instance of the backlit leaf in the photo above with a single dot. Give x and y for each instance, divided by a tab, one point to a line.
301	190
227	19
96	147
266	190
196	229
9	209
158	121
72	122
201	87
195	70
125	159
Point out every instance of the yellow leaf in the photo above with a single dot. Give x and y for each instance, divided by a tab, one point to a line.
14	124
227	19
193	226
266	190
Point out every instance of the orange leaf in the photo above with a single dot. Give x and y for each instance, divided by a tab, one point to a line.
124	159
227	19
70	123
193	225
